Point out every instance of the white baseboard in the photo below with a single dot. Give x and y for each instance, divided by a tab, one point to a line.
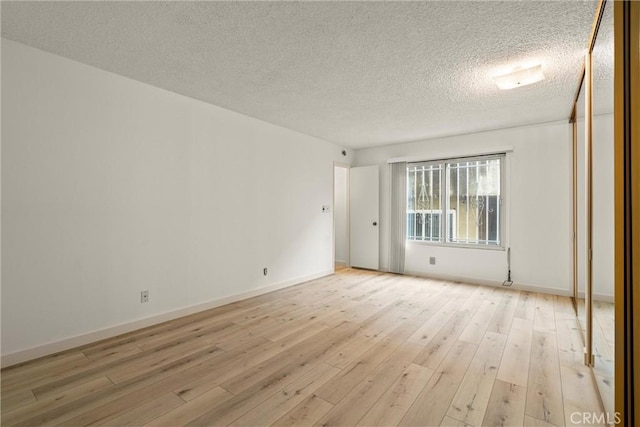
112	331
495	283
603	298
599	297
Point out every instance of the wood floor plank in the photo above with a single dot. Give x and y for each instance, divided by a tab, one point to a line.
397	400
479	322
578	393
11	401
534	422
302	354
306	413
98	370
236	339
452	422
265	312
563	307
438	348
503	317
544	317
215	327
431	405
290	396
345	381
461	291
151	362
376	286
442	310
116	353
143	413
269	322
252	396
570	345
350	409
371	332
362	311
45	367
479	294
526	307
44	364
605	316
43	376
470	402
544	389
336	389
41	406
514	367
148	385
367	332
230	365
192	409
295	323
315	330
506	405
602	354
606	389
126	396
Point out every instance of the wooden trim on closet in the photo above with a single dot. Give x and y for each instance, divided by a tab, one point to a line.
627	207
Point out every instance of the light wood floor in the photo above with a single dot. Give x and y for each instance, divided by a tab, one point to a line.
604	350
354	348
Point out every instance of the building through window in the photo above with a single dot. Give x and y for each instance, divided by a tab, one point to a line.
467	189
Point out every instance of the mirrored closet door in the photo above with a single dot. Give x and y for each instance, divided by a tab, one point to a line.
580	209
602	229
593	169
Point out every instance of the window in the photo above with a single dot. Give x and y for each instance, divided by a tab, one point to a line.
467	189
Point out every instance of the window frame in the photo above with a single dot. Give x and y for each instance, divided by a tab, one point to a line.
429	163
444	191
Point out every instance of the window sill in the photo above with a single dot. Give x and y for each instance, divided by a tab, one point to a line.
456	245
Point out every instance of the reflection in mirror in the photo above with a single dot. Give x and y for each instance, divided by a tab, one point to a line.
581	220
603	208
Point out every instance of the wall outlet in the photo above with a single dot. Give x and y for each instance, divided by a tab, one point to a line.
144	296
432	260
264	271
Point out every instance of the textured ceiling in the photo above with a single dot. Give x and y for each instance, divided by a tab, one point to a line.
356	73
602	64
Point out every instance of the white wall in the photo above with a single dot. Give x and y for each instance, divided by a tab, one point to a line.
538	198
111	186
340	214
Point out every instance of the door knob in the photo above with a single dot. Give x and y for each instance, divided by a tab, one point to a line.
375	223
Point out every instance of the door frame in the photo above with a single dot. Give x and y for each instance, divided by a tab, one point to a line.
346	166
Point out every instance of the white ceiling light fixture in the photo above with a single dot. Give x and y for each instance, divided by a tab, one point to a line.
519	76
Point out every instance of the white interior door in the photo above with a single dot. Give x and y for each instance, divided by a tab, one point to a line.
363	219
